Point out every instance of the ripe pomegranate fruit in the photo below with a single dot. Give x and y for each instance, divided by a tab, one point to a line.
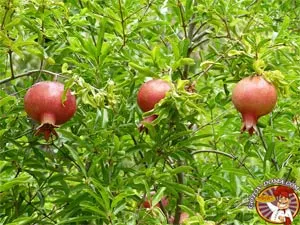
151	93
183	217
43	103
253	97
148	119
148	203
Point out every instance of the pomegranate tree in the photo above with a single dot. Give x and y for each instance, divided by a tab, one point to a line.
151	93
253	97
43	103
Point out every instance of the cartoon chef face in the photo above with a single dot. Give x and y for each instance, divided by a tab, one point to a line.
283	202
283	194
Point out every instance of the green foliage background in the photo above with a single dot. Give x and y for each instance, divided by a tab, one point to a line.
101	167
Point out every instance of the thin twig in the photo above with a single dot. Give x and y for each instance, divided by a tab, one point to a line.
211	65
179	4
42	42
29	73
199	28
214	137
215	152
40	211
224	20
11	64
145	12
201	35
199	43
5	15
180	177
273	160
90	28
208	68
122	23
190	34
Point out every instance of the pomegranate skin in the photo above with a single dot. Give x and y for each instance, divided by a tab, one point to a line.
148	203
151	93
183	217
148	119
253	97
43	103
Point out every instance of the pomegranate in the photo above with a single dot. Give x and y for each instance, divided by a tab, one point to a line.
43	103
253	97
148	203
148	119
183	217
151	93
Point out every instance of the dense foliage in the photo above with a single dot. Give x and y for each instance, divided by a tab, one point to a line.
101	167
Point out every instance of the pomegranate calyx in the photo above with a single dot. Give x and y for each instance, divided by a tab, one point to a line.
249	123
47	129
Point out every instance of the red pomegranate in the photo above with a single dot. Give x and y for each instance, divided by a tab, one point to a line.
148	203
253	97
148	119
43	103
183	217
151	93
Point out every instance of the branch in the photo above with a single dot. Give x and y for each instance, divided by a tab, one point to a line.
199	28
216	152
180	177
201	35
198	44
179	4
122	22
5	15
11	64
273	160
189	36
224	20
208	68
89	26
29	73
211	65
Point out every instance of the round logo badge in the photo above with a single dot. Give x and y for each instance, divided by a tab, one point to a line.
277	204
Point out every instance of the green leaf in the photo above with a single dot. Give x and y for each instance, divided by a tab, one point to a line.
278	80
259	66
99	200
77	219
179	187
12	23
22	221
235	53
7	99
144	70
201	203
90	207
100	38
158	196
181	169
121	197
104	192
182	62
21	180
76	158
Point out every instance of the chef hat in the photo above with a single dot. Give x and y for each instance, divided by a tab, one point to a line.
283	191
